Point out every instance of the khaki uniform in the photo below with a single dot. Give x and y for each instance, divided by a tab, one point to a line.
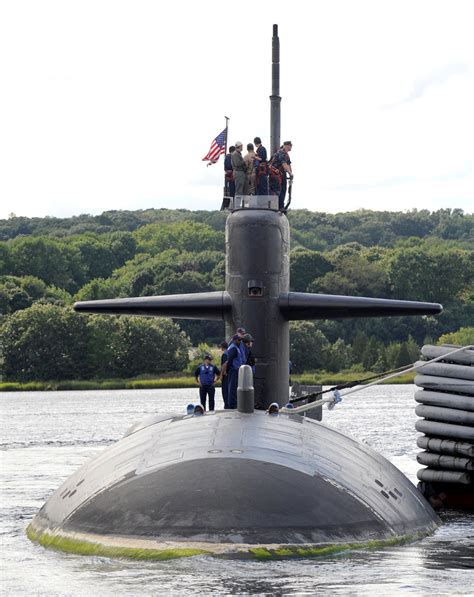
249	159
240	173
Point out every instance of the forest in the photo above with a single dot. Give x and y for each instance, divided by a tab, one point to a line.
48	263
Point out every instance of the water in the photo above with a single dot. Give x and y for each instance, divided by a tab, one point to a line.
46	436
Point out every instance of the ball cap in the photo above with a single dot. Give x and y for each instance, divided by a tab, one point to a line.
287	143
238	144
208	357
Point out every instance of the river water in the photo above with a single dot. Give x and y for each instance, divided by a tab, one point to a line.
46	436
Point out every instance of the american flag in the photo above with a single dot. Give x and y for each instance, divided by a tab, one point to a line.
217	148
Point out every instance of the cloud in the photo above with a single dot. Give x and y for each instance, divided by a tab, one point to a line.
436	77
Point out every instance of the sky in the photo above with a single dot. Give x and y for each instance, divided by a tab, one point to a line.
112	104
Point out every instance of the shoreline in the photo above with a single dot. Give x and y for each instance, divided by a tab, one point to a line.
181	382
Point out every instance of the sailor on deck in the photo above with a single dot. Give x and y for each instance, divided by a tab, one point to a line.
231	369
229	173
261	168
206	376
240	171
250	159
281	162
224	349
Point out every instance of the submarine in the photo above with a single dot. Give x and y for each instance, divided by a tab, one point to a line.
240	482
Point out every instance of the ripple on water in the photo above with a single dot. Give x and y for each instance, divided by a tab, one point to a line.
46	436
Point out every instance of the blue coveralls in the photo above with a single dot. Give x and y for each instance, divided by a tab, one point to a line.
206	377
224	386
234	361
244	353
262	178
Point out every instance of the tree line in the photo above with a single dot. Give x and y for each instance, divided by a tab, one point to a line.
47	263
314	230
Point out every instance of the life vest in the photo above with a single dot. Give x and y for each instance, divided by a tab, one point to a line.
276	164
237	361
206	375
273	170
262	169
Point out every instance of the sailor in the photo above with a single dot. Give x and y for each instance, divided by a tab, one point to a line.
250	160
261	181
281	162
206	376
231	369
224	346
240	170
274	179
247	341
273	409
198	410
242	347
229	173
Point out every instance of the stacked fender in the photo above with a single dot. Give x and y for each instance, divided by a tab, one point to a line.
446	403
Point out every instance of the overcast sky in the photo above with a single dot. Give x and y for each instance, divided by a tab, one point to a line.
113	104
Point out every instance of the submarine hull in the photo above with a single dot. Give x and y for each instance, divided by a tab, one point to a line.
231	481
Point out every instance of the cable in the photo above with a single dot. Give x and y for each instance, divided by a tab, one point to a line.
337	397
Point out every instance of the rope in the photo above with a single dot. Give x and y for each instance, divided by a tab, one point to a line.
348	384
337	397
290	187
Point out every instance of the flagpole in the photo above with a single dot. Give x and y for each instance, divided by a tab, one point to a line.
225	153
226	133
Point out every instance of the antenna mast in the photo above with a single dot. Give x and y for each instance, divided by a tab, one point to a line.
275	99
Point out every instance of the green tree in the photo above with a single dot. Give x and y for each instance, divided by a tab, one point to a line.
185	236
21	292
99	289
305	266
413	349
308	346
100	355
96	256
359	345
381	364
339	356
354	275
5	265
371	354
44	342
464	337
123	246
148	346
403	357
416	274
54	263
